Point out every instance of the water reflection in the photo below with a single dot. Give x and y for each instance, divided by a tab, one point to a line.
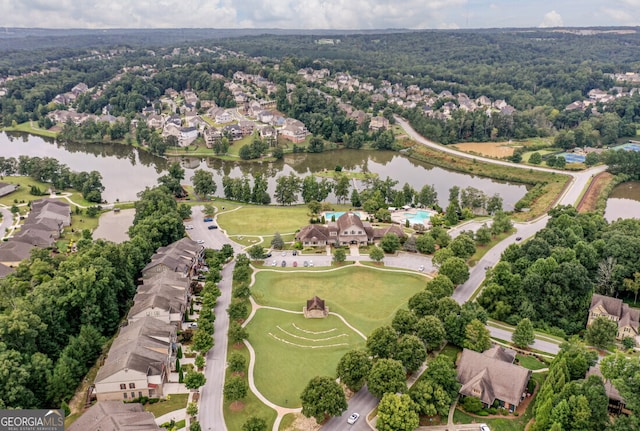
624	202
127	170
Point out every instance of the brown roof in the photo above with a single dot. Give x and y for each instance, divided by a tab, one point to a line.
115	416
349	219
611	390
488	378
500	353
5	270
613	306
312	231
14	251
394	228
315	303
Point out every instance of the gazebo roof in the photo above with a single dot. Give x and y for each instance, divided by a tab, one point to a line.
315	303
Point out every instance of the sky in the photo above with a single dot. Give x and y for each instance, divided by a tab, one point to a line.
318	14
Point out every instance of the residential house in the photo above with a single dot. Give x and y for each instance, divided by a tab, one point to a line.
265	116
139	361
268	133
378	123
80	88
616	402
614	309
221	116
14	252
187	136
211	136
246	127
115	416
51	208
184	256
35	237
294	130
491	376
174	119
232	130
155	121
6	188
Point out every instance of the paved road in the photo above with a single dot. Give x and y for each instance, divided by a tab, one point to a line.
579	180
211	398
7	221
362	402
213	238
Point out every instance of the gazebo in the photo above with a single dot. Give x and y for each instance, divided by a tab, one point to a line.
315	309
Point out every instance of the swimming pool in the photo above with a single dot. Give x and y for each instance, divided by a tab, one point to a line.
418	218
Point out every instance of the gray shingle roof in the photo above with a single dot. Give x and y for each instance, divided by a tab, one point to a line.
115	416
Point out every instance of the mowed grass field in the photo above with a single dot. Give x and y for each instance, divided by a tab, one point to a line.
367	298
267	219
291	350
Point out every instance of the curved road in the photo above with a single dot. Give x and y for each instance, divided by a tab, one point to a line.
363	402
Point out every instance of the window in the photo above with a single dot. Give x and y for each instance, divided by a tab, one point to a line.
123	386
346	232
353	232
125	395
140	394
132	385
133	394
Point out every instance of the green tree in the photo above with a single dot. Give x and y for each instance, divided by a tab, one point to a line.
404	322
431	331
353	369
463	246
411	352
322	397
483	235
203	183
237	333
456	269
194	380
601	333
425	244
339	255
202	341
535	158
382	342
430	398
376	253
237	363
441	255
390	243
427	197
256	252
386	376
442	372
235	389
192	409
396	412
478	337
254	424
523	335
276	242
199	362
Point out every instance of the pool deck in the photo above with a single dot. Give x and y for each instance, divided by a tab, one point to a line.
398	216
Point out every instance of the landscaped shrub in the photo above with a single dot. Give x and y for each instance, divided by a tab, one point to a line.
483	413
531	386
472	404
492	410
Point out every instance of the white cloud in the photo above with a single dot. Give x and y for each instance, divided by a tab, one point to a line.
551	19
619	15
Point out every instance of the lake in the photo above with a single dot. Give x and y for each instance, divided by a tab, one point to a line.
623	202
127	170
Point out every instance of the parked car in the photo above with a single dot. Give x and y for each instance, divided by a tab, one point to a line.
213	226
310	263
200	241
269	254
305	264
188	227
295	253
284	253
274	263
295	263
283	264
208	219
518	238
353	418
421	268
484	427
193	325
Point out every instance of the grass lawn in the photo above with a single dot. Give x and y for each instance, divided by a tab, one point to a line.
252	405
264	220
483	249
498	424
162	407
451	351
287	421
530	362
367	298
27	128
291	350
22	194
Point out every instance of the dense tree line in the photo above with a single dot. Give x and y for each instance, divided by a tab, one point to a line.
49	170
67	306
550	278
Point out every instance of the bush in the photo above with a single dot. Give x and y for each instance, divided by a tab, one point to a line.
472	404
483	413
492	410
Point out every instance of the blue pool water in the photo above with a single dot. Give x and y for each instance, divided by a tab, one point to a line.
573	158
417	218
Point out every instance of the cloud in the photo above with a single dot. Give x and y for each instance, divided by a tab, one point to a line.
619	15
551	19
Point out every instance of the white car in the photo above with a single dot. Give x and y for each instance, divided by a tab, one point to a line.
484	427
188	227
310	263
284	253
421	268
274	263
200	241
353	418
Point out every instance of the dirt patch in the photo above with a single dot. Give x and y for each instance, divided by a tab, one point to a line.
496	150
590	197
303	423
236	406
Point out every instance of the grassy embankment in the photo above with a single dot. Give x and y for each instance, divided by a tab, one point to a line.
551	183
